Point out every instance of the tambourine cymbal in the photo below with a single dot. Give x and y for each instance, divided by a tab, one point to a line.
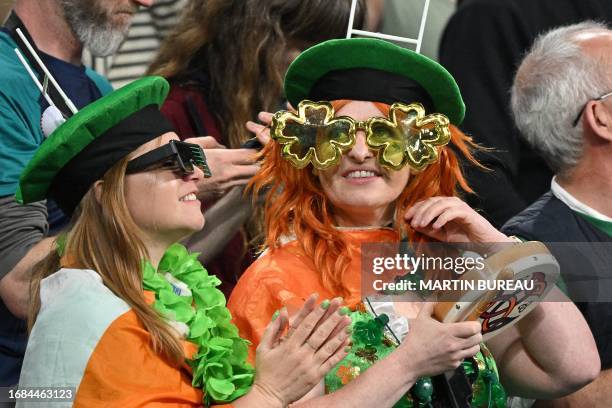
530	263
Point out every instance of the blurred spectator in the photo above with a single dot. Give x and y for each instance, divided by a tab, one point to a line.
58	29
481	47
562	104
149	28
226	61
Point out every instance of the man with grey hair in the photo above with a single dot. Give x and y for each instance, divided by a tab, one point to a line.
482	46
58	30
562	104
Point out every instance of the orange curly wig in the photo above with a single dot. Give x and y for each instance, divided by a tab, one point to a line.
295	203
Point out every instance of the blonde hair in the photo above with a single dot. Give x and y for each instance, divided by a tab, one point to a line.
105	238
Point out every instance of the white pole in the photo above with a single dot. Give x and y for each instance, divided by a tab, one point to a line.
422	28
351	19
417	42
385	36
47	73
36	81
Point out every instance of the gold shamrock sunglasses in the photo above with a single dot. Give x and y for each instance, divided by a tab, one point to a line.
314	136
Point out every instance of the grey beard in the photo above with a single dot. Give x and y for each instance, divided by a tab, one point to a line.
100	41
92	28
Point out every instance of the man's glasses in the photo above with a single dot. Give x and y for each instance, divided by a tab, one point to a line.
177	156
601	98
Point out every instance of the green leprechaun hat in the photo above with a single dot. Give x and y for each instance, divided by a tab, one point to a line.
369	69
91	141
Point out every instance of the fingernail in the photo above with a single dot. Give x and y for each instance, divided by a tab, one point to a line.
344	311
347	349
275	315
349	329
325	304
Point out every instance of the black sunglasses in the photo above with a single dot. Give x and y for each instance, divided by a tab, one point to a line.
601	98
175	155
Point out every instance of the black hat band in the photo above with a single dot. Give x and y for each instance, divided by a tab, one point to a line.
76	177
367	84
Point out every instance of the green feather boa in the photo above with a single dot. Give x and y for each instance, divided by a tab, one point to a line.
219	366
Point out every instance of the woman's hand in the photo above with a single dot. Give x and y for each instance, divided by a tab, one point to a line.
449	219
286	368
262	132
432	348
229	167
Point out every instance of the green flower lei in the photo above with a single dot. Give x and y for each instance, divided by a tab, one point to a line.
186	293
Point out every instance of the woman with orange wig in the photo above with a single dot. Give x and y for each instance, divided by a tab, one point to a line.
377	163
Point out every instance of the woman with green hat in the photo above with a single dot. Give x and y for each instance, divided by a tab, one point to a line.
121	315
370	156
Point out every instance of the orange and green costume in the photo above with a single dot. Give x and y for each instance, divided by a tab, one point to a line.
287	277
87	338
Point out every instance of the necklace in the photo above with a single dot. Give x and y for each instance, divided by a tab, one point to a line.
186	295
487	390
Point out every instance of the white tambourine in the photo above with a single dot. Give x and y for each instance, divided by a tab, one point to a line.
532	269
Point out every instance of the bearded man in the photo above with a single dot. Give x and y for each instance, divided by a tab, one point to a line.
58	30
